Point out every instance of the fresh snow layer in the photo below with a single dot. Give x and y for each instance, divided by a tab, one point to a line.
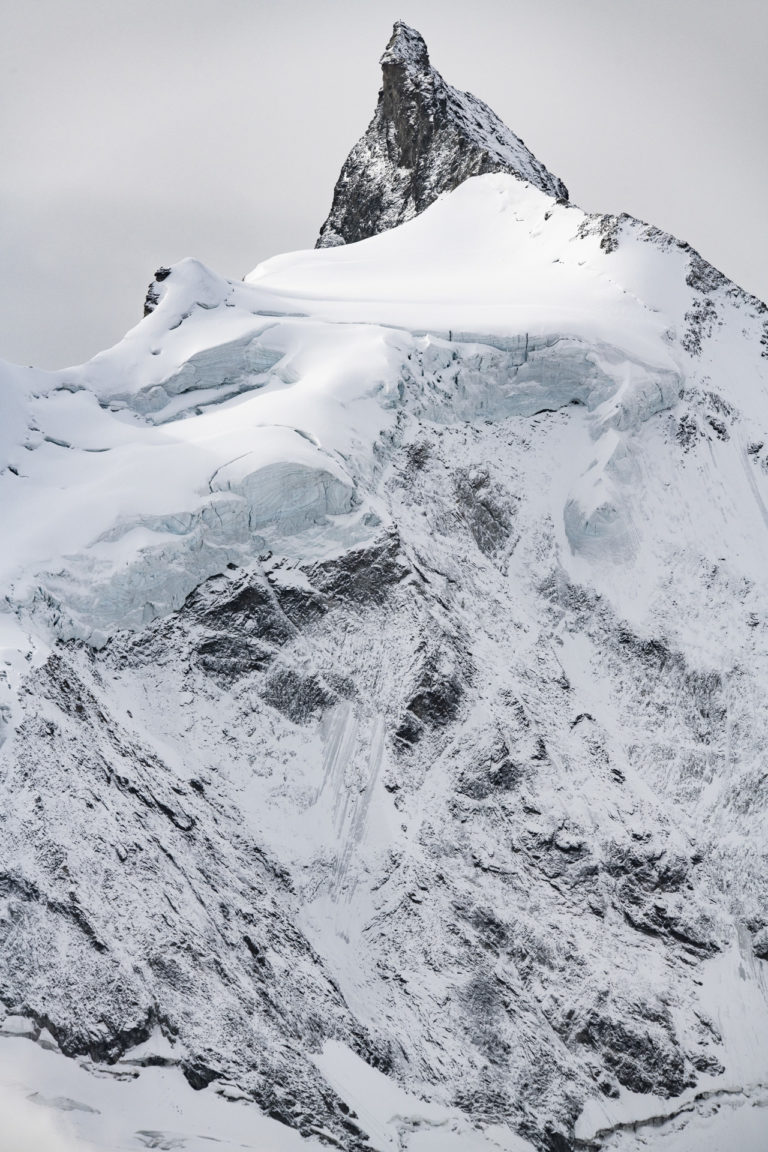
491	257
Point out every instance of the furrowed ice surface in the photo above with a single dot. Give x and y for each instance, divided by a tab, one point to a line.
385	669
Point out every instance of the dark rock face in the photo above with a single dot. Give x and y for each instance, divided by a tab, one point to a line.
638	1047
153	292
425	138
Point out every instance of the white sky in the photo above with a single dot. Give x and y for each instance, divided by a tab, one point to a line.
136	132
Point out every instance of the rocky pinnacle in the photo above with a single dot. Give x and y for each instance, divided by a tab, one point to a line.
425	138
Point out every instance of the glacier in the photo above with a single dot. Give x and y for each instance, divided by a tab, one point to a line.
382	698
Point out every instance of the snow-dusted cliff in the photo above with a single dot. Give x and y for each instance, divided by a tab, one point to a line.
425	139
384	694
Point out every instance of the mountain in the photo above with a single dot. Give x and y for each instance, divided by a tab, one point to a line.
384	676
425	139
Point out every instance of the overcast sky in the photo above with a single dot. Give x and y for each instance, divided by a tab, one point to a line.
136	132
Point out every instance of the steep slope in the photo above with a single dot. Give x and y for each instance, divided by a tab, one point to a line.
385	664
425	138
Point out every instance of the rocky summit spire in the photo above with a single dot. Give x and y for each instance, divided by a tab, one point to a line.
425	138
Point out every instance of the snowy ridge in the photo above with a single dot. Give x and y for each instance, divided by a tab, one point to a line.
384	657
290	342
425	139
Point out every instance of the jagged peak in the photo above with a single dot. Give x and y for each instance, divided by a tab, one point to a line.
425	139
406	48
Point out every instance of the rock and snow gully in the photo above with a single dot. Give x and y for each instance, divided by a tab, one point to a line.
383	682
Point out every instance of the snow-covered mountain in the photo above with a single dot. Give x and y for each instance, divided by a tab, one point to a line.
425	139
384	694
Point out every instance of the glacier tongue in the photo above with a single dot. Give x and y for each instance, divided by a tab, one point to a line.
384	647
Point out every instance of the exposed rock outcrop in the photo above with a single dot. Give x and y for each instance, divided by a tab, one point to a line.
425	138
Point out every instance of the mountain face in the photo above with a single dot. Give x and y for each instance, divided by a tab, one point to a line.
383	702
425	139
